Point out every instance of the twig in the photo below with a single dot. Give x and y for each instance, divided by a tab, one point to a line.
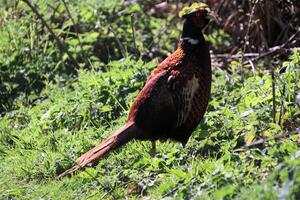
281	113
234	56
54	8
133	34
285	28
247	35
273	97
253	56
252	67
60	44
118	41
177	6
74	24
263	141
219	7
276	48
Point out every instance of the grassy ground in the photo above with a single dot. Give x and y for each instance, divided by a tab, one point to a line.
61	113
40	140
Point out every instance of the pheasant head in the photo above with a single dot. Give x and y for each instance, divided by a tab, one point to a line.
197	15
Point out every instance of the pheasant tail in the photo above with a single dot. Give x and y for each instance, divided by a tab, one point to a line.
120	137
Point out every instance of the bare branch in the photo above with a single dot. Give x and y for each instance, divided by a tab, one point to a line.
122	48
133	35
277	49
254	56
60	44
273	97
76	29
247	36
265	140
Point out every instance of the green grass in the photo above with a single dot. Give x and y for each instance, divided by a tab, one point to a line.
40	140
61	113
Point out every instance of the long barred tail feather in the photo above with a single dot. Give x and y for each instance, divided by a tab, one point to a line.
120	137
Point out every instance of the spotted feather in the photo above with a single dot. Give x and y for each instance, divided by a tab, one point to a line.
187	94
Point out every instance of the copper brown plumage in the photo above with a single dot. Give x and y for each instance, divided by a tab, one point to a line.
174	98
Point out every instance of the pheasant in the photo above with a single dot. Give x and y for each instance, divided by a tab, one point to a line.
174	98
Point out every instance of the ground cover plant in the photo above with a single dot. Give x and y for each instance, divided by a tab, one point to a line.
54	107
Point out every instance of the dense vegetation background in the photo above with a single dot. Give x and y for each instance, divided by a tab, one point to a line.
70	69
